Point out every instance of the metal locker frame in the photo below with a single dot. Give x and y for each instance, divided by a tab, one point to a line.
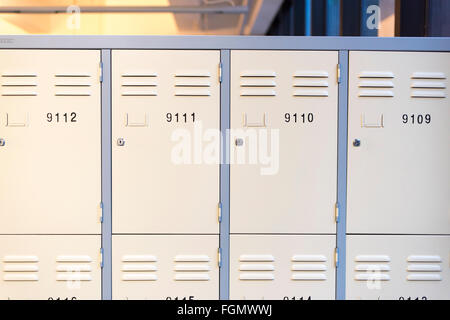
225	44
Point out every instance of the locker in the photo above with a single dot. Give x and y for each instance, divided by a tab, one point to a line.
50	267
282	267
398	267
165	267
283	141
398	133
51	150
165	103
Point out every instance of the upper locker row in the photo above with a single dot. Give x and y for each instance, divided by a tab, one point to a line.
166	153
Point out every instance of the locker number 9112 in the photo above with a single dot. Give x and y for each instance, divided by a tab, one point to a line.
62	117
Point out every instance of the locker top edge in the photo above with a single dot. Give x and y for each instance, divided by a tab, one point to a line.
224	42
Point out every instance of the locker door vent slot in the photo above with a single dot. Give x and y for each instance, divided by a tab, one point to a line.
424	268
72	85
375	84
73	268
304	270
139	84
256	267
374	267
19	84
192	268
258	83
192	84
311	84
429	85
139	268
20	268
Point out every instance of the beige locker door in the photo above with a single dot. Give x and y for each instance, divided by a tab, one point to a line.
291	95
165	267
398	267
398	178
45	267
165	103
51	157
282	267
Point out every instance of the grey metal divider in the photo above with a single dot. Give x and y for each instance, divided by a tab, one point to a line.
106	176
342	175
224	284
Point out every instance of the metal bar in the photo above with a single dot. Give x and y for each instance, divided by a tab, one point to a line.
438	24
225	175
308	13
318	18
342	174
333	19
224	42
411	17
106	175
129	9
370	18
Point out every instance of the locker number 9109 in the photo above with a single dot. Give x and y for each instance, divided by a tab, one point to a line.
416	118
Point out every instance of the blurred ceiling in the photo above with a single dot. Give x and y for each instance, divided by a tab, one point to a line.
256	19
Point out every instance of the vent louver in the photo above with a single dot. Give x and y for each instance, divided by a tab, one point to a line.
72	85
308	267
192	268
424	268
372	267
139	268
310	84
258	83
21	268
192	84
256	267
376	84
428	85
19	84
139	84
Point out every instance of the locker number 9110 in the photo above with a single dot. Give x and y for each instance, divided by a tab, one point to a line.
299	117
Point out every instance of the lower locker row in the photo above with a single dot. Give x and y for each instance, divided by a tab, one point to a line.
261	267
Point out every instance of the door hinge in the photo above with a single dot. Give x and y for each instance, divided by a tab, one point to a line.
101	212
219	212
336	257
101	258
220	72
219	257
336	212
338	73
100	71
